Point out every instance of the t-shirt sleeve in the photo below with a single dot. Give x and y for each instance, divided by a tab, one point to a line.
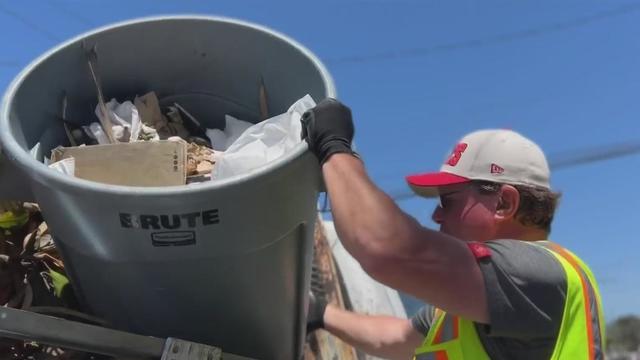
423	319
526	290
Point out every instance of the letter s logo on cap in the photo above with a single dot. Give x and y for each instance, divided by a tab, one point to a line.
456	154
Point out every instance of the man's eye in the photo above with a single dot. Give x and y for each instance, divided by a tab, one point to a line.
444	202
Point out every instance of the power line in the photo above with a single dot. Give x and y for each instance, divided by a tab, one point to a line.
61	7
567	160
558	161
9	64
482	42
571	159
36	27
28	23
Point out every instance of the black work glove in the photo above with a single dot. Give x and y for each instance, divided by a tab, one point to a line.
317	300
315	316
328	129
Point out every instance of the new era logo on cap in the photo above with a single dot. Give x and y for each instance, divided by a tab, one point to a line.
493	155
495	169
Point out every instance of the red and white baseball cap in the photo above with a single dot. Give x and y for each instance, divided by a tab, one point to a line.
501	156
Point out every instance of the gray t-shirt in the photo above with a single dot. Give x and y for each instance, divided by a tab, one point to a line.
526	292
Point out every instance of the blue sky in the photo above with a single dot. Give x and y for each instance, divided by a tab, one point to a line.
420	74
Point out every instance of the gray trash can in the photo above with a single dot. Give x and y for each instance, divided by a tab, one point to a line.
237	273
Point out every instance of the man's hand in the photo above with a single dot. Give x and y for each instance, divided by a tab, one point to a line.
328	129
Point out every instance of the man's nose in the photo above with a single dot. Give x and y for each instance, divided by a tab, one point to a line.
437	215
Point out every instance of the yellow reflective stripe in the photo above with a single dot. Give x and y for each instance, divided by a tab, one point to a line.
596	292
428	346
583	297
438	317
425	356
464	342
595	306
433	348
573	341
447	330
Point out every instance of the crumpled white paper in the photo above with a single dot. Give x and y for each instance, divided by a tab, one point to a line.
66	166
95	131
218	139
222	139
35	151
125	120
263	142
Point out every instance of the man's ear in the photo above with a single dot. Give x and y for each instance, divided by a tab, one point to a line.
508	203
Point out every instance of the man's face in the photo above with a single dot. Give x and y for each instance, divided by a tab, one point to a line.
466	213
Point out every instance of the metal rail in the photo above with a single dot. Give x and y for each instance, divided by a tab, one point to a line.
29	326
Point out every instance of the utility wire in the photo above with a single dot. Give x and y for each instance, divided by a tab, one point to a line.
558	161
30	24
63	8
60	7
570	159
498	39
9	64
567	160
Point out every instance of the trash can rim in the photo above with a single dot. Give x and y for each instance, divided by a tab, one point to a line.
12	150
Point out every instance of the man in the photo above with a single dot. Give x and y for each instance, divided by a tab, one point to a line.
498	288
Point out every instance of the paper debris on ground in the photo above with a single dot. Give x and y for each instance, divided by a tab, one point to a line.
142	163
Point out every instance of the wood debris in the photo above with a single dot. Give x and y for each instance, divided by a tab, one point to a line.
199	159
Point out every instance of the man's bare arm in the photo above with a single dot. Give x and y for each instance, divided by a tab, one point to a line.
396	250
383	336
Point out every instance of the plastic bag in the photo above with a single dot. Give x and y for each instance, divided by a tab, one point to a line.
222	139
263	142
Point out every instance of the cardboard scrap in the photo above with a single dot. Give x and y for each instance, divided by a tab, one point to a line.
151	115
148	107
143	163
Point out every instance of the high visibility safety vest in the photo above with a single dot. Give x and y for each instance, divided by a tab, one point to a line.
581	334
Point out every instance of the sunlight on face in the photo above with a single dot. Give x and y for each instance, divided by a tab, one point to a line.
465	213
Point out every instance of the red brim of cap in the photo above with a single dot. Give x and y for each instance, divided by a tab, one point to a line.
427	184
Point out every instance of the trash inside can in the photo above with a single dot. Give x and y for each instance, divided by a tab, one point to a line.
224	263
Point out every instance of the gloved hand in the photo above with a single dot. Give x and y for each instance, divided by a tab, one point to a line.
328	129
317	300
315	315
